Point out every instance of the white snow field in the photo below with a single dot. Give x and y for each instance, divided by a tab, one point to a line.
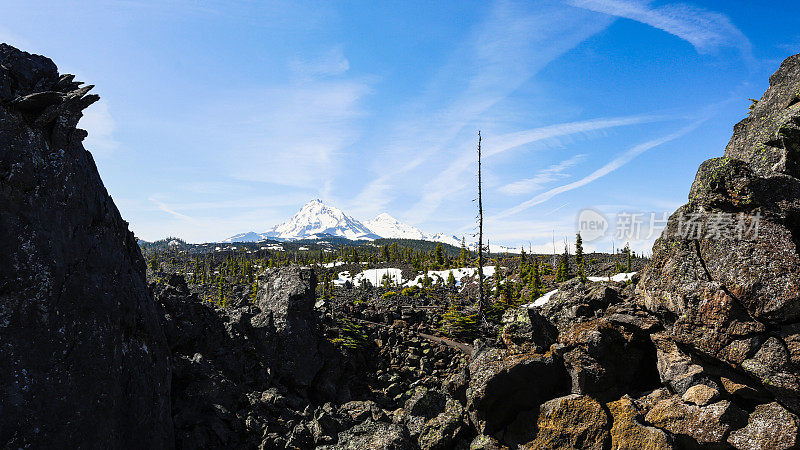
375	276
624	276
459	273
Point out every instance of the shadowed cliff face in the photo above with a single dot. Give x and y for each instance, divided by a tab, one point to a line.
83	359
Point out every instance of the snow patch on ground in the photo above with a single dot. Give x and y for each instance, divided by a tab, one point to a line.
541	301
375	276
624	276
459	273
333	264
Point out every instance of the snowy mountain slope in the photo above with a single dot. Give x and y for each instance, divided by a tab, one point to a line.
444	239
316	218
387	226
245	237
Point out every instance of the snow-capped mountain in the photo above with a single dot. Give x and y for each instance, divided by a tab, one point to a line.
387	226
444	239
316	219
245	237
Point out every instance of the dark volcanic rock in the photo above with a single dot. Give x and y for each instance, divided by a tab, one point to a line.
725	274
769	138
84	359
503	385
239	371
302	357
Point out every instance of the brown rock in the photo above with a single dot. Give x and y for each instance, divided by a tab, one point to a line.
573	421
700	395
701	424
628	431
741	390
770	426
676	369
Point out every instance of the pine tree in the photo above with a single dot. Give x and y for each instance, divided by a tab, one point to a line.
451	279
628	258
463	256
579	258
458	325
563	271
536	280
385	253
439	254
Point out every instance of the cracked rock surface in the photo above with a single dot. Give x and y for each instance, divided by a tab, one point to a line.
83	358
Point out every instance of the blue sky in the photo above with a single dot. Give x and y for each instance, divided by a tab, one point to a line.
223	117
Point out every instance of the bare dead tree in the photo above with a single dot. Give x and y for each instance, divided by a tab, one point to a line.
480	238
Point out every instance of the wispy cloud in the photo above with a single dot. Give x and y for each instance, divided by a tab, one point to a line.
163	207
330	63
609	167
542	178
291	135
514	42
706	30
453	178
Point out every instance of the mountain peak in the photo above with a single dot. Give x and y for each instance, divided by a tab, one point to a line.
384	217
316	218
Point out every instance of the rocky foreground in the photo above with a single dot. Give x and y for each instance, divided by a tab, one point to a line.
701	351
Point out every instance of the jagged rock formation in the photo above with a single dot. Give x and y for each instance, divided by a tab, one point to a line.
83	359
729	291
243	372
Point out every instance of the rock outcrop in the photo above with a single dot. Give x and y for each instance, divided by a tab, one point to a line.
84	361
725	275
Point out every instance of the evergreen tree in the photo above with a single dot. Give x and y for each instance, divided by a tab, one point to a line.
463	256
439	254
628	258
563	270
579	257
458	325
536	280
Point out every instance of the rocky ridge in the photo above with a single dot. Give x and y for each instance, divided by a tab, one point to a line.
83	357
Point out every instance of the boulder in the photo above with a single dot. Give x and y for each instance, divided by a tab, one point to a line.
700	395
694	424
444	430
768	138
290	330
628	430
574	421
577	301
605	359
769	426
372	435
525	328
85	362
724	273
676	369
504	384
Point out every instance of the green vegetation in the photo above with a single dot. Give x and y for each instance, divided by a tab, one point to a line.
351	335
